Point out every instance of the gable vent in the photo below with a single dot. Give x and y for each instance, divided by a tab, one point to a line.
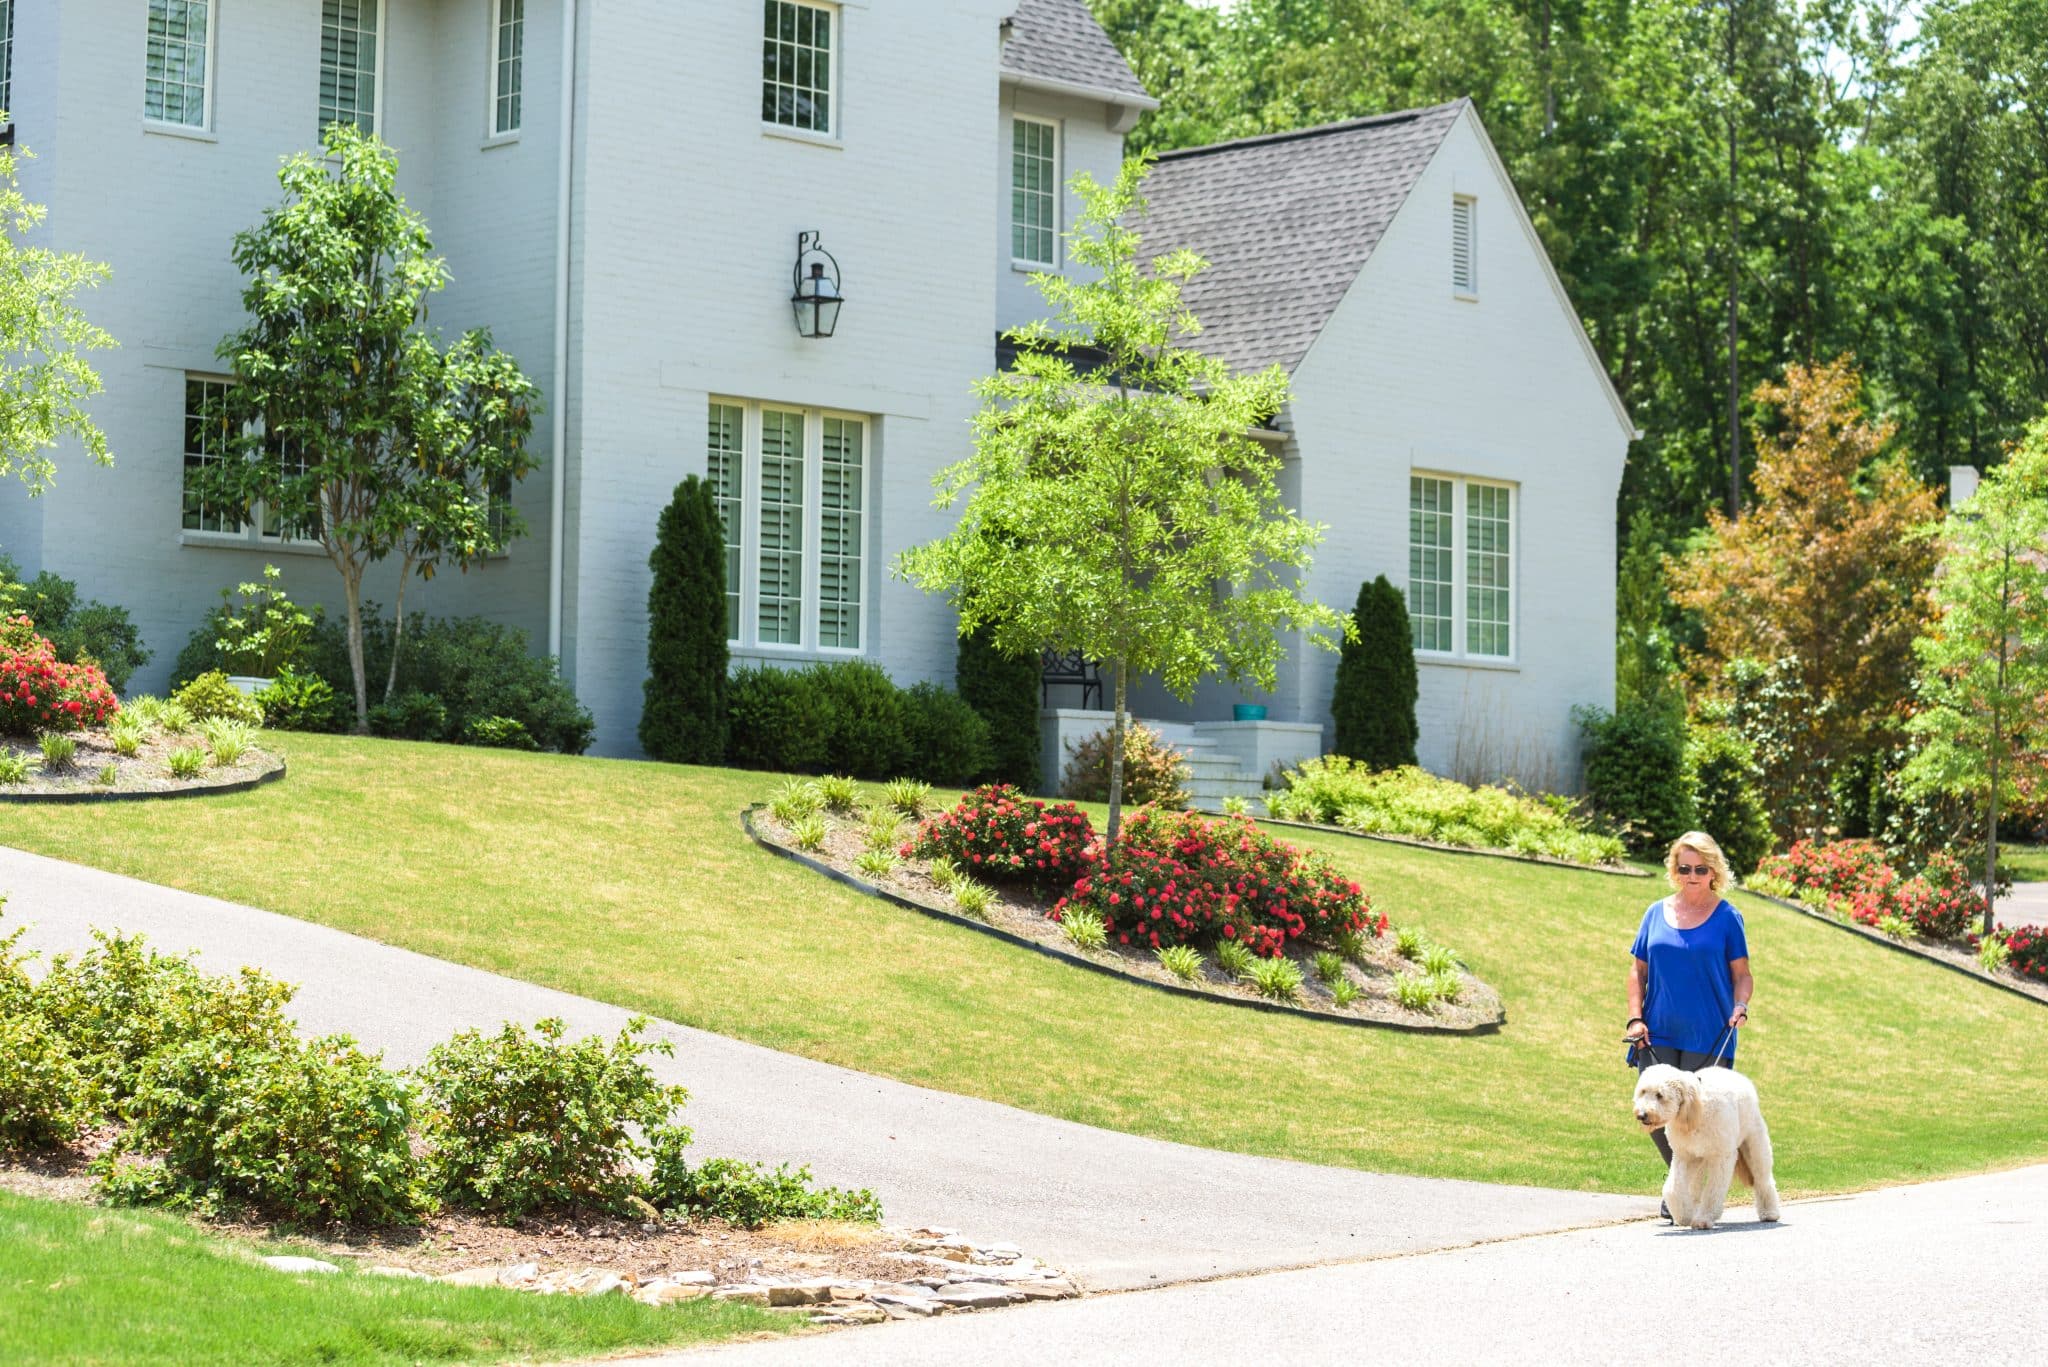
1464	246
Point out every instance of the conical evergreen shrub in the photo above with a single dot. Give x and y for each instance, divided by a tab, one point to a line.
1374	701
684	716
1004	689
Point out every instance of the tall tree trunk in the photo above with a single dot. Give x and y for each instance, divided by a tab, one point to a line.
352	586
1116	767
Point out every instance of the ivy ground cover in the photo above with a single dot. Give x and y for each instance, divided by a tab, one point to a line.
634	883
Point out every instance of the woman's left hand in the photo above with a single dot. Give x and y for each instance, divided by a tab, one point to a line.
1739	1017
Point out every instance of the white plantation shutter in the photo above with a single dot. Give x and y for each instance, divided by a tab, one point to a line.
1464	245
839	534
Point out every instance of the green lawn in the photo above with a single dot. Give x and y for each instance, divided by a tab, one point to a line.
83	1284
2026	863
633	883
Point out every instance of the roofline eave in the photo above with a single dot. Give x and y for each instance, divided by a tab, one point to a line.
1051	86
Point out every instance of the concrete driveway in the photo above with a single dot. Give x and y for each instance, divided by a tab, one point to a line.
1115	1210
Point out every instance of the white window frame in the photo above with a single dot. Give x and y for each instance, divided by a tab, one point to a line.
834	90
250	533
493	92
1461	623
1465	286
1025	263
205	123
6	63
382	69
810	606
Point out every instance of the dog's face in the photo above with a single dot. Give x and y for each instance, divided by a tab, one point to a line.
1661	1093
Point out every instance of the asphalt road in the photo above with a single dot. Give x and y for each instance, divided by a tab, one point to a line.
1115	1210
1950	1273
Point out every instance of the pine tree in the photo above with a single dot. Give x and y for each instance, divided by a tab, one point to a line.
1004	689
1374	701
683	719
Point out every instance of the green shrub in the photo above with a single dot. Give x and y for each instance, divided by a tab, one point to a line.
683	716
1726	795
1279	978
262	632
749	1195
1182	961
1005	691
1373	704
776	720
1410	802
498	733
44	1099
302	702
945	740
58	751
211	695
521	1121
1154	771
15	767
188	762
304	1130
1635	774
91	632
412	715
864	717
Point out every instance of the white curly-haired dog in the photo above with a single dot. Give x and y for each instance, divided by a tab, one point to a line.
1716	1130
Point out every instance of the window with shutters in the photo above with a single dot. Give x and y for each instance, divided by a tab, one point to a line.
792	491
1465	246
1461	566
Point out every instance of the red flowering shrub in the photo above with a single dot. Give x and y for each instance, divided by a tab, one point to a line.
1842	869
1940	900
1182	878
2027	951
38	693
1852	878
998	834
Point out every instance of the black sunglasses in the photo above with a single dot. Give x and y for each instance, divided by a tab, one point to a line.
1688	870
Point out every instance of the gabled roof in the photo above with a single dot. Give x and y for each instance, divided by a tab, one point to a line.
1058	43
1285	222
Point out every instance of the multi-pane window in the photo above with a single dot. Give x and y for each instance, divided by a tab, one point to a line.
1461	566
1034	192
726	459
6	61
272	524
791	486
206	441
1464	245
796	65
508	66
348	63
175	69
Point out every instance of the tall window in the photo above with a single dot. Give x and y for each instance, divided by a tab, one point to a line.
176	68
796	65
791	485
1464	245
508	66
348	63
1461	566
273	525
1034	192
206	441
6	62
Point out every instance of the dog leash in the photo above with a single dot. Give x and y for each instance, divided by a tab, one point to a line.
1720	1051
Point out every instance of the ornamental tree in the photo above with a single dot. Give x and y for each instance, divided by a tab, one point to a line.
347	420
1115	502
44	376
1983	682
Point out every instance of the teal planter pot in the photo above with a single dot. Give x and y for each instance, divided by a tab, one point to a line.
1248	711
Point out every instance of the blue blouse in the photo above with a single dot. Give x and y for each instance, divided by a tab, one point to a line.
1691	993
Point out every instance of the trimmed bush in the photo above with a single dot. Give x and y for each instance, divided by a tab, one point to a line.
1727	801
778	721
1635	774
683	717
88	633
211	695
2026	950
498	733
1154	772
1005	691
864	718
1413	803
945	740
749	1195
412	715
1373	704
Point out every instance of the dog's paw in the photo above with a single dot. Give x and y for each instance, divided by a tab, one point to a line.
1702	1224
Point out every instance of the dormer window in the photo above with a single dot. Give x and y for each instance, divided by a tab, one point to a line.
1465	247
797	66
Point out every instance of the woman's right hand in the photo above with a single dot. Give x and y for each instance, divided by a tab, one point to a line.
1638	1033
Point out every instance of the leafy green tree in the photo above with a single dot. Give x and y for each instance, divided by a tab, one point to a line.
1983	684
348	421
1373	703
1114	501
44	376
1004	690
1645	663
683	717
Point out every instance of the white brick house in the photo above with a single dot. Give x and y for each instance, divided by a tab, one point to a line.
618	187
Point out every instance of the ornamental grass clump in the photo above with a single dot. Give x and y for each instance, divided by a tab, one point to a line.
126	737
1083	929
908	795
1182	961
1993	954
1279	978
808	833
1416	991
15	767
795	800
58	751
227	739
188	762
997	833
1436	960
972	898
840	793
1410	942
883	830
1234	958
1329	967
874	864
1343	992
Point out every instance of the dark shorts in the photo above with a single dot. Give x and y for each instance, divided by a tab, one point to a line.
1682	1058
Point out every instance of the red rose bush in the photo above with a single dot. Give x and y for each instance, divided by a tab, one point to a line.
40	693
997	834
1852	879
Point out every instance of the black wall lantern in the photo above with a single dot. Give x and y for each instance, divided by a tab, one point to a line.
815	280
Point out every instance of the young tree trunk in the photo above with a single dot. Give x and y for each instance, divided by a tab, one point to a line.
1116	767
397	630
352	586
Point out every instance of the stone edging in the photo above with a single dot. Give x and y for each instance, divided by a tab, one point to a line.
1542	860
1065	956
240	785
1903	946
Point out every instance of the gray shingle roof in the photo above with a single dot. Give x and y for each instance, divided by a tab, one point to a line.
1059	40
1285	222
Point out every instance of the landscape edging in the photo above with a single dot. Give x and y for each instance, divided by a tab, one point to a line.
240	785
1542	861
1052	952
1903	946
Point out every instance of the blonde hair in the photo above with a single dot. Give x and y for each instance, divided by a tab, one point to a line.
1709	849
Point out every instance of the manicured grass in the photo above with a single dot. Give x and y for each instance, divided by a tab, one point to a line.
81	1284
2025	863
633	883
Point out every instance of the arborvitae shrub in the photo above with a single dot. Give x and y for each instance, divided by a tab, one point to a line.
947	741
1635	774
684	716
1004	689
1374	701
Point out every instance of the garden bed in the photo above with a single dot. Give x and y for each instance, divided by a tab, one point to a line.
1021	918
1949	955
1416	842
144	774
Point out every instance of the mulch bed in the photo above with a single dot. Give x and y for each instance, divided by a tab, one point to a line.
1018	913
145	773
